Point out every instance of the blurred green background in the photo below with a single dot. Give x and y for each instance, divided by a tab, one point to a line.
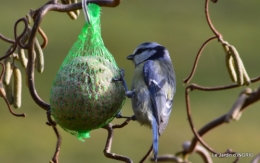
181	27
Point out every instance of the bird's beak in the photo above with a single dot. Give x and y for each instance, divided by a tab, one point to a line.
130	57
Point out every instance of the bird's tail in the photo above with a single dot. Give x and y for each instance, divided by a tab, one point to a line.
155	138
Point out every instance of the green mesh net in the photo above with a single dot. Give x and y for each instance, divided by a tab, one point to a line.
83	95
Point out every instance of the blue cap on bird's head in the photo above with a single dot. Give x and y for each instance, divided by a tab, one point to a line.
148	50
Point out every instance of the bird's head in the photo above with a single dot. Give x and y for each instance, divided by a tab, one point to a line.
148	51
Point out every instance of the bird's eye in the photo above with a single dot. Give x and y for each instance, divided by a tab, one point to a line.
139	51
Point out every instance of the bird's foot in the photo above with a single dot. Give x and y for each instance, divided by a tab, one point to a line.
121	77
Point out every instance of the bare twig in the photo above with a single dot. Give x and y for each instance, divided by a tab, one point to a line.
186	146
6	39
214	30
199	150
122	124
107	151
197	59
147	154
58	144
14	45
235	111
44	37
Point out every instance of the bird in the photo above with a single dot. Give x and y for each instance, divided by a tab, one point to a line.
153	88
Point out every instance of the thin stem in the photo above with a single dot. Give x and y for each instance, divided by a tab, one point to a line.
10	109
6	39
24	20
209	126
122	124
13	47
197	59
30	65
50	121
44	37
147	154
209	20
58	144
191	122
107	150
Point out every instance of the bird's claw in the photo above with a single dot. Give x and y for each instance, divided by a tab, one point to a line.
130	94
122	73
121	77
133	118
119	115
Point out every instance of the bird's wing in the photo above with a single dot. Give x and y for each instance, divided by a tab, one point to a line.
155	81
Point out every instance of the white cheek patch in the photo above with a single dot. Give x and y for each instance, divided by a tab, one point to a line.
139	58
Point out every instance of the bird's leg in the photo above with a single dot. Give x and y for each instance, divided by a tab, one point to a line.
129	94
118	115
133	118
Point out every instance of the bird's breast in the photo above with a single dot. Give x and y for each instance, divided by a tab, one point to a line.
141	102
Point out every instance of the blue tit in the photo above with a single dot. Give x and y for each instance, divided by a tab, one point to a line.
153	88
